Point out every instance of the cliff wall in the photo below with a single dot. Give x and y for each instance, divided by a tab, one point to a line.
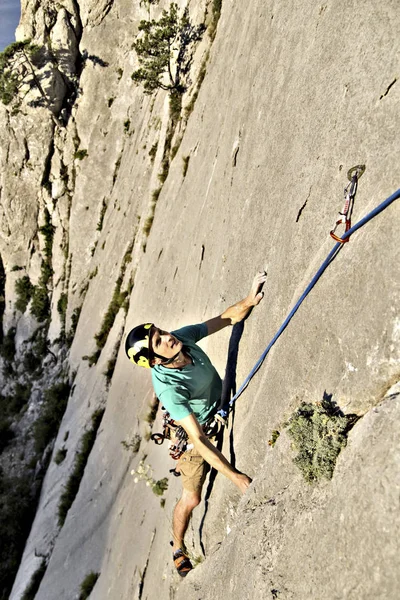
292	98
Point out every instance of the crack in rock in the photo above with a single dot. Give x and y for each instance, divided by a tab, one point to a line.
388	88
304	205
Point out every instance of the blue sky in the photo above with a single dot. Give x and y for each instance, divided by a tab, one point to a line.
9	19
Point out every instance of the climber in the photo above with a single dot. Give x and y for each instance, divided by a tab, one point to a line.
189	387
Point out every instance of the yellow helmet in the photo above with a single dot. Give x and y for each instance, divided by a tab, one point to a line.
137	345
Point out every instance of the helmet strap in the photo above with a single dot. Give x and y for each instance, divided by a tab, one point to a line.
167	361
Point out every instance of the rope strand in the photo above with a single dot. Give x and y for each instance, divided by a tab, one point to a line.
331	256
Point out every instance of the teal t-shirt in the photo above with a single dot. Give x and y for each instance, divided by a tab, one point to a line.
194	389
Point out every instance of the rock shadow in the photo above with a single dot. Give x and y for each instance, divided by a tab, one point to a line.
228	390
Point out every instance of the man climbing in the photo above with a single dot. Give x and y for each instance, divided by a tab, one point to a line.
189	387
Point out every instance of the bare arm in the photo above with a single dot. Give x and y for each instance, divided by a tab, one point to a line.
240	310
211	454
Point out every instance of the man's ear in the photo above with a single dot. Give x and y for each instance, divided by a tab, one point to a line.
155	361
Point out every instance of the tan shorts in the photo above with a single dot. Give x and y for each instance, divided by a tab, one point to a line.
193	469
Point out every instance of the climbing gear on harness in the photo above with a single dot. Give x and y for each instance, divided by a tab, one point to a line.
173	432
213	427
179	444
350	190
182	562
178	436
224	411
137	345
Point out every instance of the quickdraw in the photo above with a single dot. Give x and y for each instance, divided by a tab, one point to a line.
350	190
174	433
177	436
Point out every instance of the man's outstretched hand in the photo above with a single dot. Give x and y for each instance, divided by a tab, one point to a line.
239	311
256	295
241	481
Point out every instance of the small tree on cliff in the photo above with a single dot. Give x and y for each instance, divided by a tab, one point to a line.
162	41
18	74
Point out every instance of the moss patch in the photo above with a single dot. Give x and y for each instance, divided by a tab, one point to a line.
72	486
88	584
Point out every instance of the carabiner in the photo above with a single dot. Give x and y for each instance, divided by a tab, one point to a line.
350	190
158	438
347	227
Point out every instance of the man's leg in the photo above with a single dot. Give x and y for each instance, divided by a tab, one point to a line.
193	472
181	518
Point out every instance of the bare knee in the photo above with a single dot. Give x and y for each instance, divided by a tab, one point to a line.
190	499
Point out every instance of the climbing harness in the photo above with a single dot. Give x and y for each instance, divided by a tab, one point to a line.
177	436
224	411
350	190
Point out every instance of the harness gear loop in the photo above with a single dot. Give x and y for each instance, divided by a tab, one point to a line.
178	436
350	190
157	438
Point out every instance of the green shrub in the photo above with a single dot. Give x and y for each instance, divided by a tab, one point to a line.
127	125
75	318
33	359
160	486
72	486
47	230
80	154
40	307
46	275
74	324
318	432
109	372
118	300
19	398
24	290
32	362
151	415
148	225
36	579
116	168
153	151
133	445
102	213
216	13
274	437
175	105
17	511
7	348
62	306
46	426
6	433
109	318
88	584
92	358
60	455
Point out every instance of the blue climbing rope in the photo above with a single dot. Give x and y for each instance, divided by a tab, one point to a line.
332	254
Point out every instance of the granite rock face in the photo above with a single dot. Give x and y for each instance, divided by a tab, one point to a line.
176	218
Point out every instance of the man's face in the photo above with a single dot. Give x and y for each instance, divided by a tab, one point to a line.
164	343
